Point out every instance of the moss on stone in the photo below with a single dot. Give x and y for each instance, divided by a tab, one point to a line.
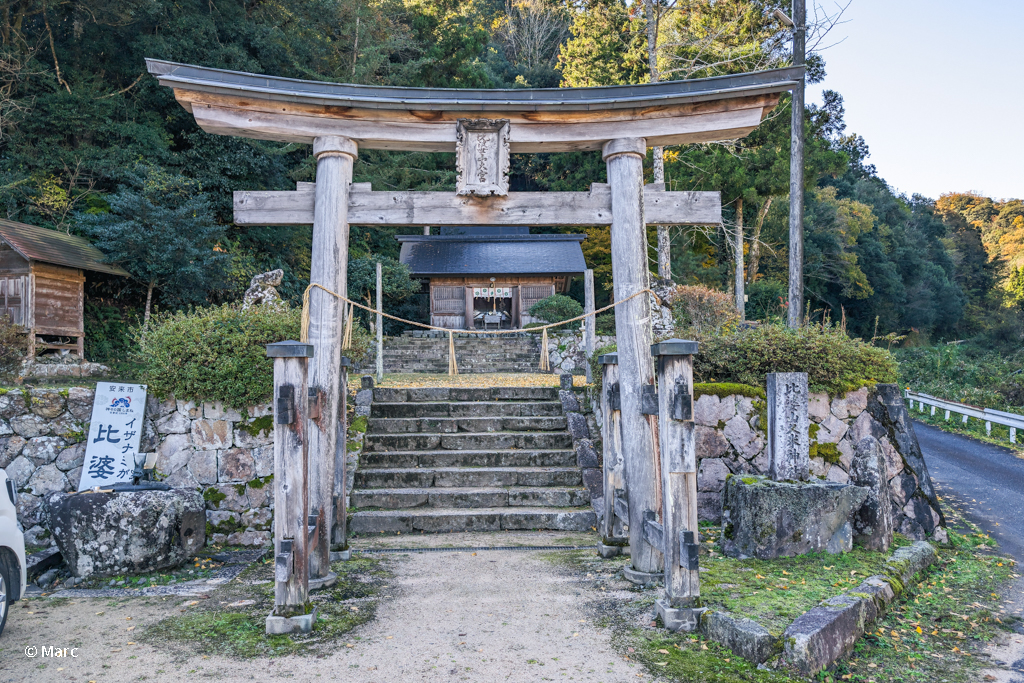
724	389
761	406
212	495
812	431
260	482
829	452
358	424
254	428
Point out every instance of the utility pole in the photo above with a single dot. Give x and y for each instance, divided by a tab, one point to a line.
664	239
380	327
796	174
740	294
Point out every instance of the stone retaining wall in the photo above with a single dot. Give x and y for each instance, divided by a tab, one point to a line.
225	453
566	354
731	439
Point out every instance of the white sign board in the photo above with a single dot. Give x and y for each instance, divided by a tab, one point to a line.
114	434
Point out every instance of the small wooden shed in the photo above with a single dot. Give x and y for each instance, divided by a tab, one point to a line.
42	283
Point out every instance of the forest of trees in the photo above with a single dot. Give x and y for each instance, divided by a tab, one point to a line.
90	144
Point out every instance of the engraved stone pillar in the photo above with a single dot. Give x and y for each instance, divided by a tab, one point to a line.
334	158
788	426
630	274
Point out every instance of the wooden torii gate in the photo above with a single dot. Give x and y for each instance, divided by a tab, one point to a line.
483	127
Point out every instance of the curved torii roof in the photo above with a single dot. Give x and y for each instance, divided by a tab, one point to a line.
541	120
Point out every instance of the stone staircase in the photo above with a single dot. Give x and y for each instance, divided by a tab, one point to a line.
474	353
437	460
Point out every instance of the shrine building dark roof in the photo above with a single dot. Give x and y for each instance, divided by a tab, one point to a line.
481	252
50	246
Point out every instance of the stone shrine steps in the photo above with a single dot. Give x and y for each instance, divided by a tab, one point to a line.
439	460
505	353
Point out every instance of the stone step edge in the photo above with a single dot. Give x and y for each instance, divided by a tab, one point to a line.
443	520
468	489
511	401
433	512
453	451
394	470
504	431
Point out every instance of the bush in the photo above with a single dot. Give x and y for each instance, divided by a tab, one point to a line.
834	362
219	353
966	374
556	308
605	323
766	300
13	346
700	311
214	354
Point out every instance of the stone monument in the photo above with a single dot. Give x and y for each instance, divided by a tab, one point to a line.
788	426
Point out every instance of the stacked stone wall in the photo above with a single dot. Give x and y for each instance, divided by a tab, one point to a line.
566	353
226	454
730	439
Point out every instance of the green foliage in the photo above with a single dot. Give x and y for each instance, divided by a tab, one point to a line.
556	308
766	300
13	346
396	284
966	374
214	354
257	426
107	332
161	229
607	47
605	323
834	362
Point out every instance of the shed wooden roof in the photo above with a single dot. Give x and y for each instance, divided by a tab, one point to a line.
49	246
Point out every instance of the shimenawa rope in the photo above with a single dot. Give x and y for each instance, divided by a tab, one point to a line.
453	368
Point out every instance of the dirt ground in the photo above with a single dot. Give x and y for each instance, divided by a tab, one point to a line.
445	616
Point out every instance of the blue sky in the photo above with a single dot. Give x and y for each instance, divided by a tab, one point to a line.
936	89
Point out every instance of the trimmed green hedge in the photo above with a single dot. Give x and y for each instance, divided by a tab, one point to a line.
736	363
219	353
214	354
834	362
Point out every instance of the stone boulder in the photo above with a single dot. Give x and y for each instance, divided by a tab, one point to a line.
886	407
872	526
767	519
104	534
262	291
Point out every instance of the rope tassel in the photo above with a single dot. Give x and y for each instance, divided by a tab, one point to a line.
544	365
453	367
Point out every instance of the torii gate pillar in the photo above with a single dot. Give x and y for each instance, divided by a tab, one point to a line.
633	335
334	158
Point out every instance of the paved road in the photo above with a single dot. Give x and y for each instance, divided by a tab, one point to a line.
986	484
985	480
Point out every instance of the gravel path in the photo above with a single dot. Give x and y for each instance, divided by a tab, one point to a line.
446	616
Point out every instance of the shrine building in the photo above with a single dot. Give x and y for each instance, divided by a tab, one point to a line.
495	274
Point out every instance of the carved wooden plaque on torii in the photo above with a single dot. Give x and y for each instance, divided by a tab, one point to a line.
482	157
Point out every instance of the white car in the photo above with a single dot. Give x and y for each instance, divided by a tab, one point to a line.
12	550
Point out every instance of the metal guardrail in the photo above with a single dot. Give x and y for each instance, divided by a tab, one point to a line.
987	415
